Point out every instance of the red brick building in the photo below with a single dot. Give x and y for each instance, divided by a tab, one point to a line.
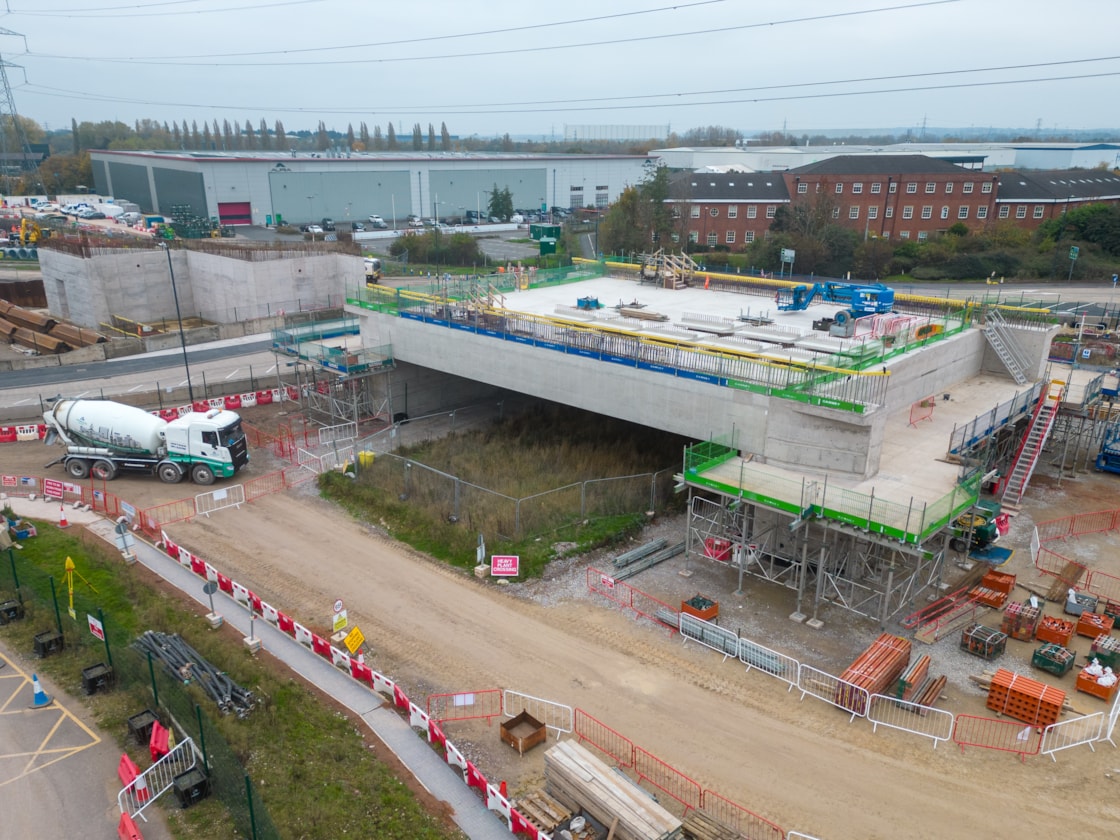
1028	198
726	208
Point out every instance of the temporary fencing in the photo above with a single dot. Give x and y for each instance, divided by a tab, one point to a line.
604	739
747	823
465	705
219	499
907	716
631	598
777	665
555	716
148	786
666	778
1048	561
710	635
1072	733
832	690
152	520
340	432
991	734
922	410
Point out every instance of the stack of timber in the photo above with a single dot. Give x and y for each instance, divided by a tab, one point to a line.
1024	699
577	779
699	825
875	670
1066	580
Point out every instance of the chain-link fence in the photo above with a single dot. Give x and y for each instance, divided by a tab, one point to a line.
64	620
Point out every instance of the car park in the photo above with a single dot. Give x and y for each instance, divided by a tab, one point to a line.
314	229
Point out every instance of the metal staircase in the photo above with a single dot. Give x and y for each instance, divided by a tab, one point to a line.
1007	347
1031	448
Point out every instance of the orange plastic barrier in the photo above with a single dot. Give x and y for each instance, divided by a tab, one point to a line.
127	830
157	745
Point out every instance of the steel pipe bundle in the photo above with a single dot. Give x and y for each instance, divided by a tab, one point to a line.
185	664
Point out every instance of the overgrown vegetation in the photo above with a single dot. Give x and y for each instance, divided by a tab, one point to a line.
437	248
311	768
527	458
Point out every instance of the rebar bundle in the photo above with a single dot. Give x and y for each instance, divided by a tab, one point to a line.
185	664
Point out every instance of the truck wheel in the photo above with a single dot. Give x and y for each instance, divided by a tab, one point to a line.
202	474
77	468
104	470
169	473
957	544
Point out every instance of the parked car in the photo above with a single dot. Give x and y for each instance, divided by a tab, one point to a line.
314	229
131	218
377	221
517	219
415	222
90	215
357	227
327	224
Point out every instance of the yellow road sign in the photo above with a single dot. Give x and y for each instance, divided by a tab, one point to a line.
354	640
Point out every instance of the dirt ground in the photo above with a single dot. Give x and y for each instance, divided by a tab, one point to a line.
800	764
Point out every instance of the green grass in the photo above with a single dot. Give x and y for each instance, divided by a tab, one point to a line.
549	458
310	766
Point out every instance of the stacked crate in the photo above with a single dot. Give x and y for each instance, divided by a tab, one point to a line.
982	641
1094	624
1025	699
1088	683
1054	658
875	670
1106	650
1020	621
994	589
1057	631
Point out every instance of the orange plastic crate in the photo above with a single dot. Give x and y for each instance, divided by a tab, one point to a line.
1094	624
999	581
1057	631
1089	685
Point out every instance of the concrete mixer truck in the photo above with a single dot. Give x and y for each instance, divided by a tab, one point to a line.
103	437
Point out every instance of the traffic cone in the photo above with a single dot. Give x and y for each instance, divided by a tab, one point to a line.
40	698
62	523
140	789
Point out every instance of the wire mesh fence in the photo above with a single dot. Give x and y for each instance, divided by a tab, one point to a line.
81	623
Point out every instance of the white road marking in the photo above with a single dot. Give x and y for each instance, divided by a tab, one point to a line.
270	370
235	370
136	388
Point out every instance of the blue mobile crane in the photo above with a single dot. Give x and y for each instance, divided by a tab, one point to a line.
858	299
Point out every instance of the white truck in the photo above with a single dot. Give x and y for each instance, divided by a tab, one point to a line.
103	437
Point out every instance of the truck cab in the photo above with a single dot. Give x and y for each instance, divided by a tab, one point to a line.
208	446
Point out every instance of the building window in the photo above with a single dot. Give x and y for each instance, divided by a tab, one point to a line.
911	189
694	236
889	213
1038	211
908	211
986	187
857	189
927	211
948	187
771	209
945	211
713	211
602	199
677	238
730	238
802	189
694	212
967	188
876	188
733	211
752	211
1021	211
904	234
1004	211
839	189
931	187
982	212
748	237
873	212
853	211
836	212
713	239
923	235
893	188
962	211
676	213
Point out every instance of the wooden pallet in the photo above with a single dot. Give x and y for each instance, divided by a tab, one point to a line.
701	826
1071	573
543	811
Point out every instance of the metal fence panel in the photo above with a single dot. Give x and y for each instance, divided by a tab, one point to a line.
554	715
340	432
603	738
777	665
219	498
910	717
465	705
710	635
991	734
1072	733
666	778
748	824
148	786
832	690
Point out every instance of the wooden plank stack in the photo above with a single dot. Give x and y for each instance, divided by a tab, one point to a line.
543	811
700	826
1024	699
1020	621
577	779
876	670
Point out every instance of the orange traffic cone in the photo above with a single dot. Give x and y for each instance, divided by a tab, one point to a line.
62	523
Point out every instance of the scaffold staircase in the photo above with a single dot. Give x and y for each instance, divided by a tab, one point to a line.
1031	448
1007	347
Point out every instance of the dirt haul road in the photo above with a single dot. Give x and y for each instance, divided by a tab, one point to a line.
798	763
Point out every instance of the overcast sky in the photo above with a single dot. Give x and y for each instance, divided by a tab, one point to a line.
529	68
